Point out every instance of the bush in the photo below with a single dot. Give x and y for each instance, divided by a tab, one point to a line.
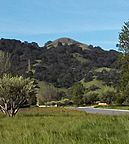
63	102
108	95
88	76
93	88
90	98
15	92
120	98
124	96
77	92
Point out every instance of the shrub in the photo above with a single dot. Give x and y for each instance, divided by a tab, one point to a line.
108	95
90	98
15	92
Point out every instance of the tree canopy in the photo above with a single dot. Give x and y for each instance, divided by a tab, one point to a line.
77	92
124	60
124	38
15	92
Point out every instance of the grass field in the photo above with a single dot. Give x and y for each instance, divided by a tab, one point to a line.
63	126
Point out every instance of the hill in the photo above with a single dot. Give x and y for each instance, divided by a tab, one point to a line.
61	62
66	41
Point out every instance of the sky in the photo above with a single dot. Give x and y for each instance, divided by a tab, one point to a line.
96	22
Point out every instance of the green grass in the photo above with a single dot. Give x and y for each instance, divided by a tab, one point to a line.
114	107
102	86
80	58
93	82
63	126
103	68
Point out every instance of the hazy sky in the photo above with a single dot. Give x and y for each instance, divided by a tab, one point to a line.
96	22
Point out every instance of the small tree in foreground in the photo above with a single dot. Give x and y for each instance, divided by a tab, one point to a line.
14	93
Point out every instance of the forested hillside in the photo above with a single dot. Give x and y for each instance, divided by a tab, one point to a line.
61	62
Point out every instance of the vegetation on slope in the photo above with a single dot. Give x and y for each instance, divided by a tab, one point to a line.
62	65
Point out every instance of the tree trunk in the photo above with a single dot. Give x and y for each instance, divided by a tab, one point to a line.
11	113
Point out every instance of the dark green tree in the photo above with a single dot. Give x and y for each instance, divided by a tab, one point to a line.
77	92
108	95
124	39
90	97
124	60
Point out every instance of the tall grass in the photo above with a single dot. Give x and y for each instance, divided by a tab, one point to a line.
63	126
